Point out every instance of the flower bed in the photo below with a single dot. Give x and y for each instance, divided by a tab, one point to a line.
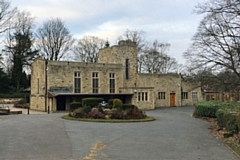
101	113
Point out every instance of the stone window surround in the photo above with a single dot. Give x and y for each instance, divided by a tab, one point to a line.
111	82
161	95
184	95
142	96
77	76
194	95
95	82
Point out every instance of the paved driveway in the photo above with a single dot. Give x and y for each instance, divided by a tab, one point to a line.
174	135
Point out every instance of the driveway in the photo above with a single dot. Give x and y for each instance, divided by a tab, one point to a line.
174	135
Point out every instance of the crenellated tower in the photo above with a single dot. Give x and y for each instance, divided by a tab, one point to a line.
124	53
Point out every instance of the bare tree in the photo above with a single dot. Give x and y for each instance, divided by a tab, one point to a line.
137	36
53	39
217	41
6	14
154	58
171	65
87	49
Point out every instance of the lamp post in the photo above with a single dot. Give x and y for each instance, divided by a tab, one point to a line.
46	85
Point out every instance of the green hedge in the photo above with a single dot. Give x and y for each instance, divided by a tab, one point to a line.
227	114
117	103
209	108
75	105
227	118
238	120
220	118
206	109
91	102
110	102
14	95
128	106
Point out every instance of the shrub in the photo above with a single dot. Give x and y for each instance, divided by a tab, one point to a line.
110	102
128	106
238	120
13	95
206	109
209	108
86	109
100	110
75	105
22	101
77	113
117	103
95	114
92	102
135	114
83	112
220	118
228	118
232	127
107	111
117	114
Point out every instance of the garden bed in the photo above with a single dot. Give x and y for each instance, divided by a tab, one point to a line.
231	142
93	110
147	119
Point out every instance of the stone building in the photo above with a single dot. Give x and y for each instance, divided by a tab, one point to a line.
55	84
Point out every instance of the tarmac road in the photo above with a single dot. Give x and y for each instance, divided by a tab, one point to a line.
175	135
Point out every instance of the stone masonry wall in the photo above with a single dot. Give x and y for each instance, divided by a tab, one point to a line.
61	74
169	83
118	55
111	60
190	87
37	96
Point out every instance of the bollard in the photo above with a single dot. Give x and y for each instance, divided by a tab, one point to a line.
28	110
48	110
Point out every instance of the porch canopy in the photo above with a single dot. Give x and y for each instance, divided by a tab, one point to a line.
125	97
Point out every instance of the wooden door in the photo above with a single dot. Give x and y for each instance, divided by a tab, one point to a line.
172	99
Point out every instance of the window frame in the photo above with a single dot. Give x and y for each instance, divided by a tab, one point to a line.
161	95
195	95
184	95
142	96
77	76
127	65
95	82
111	82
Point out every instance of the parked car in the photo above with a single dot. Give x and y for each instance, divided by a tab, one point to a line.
103	104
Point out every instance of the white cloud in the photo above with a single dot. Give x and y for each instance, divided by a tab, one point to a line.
167	21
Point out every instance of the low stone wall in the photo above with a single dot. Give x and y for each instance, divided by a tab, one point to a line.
9	100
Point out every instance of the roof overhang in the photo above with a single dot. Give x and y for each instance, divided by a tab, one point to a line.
52	94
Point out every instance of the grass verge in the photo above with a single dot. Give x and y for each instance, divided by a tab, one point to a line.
235	146
147	119
233	143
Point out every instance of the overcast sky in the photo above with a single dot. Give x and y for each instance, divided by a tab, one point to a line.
168	21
